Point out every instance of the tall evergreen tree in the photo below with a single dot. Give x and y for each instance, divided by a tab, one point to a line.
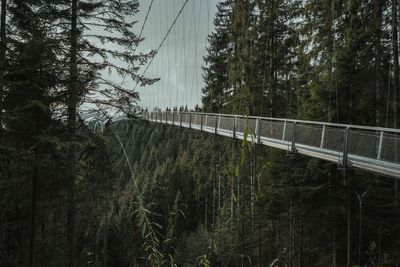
3	50
217	90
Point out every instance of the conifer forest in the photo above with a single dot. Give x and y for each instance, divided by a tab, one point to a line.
86	180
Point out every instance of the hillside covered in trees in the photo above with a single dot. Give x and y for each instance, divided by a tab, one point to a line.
78	192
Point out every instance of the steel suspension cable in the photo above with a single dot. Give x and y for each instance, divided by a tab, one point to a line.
185	59
163	41
140	36
176	62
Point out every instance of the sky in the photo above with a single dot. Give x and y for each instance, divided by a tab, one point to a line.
180	60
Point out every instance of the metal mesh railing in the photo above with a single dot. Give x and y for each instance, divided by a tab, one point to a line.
308	134
185	118
226	123
210	121
334	139
177	118
364	143
196	119
169	117
288	131
391	147
246	125
272	129
368	145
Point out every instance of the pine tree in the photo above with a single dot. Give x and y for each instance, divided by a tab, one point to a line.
237	74
31	77
3	50
217	91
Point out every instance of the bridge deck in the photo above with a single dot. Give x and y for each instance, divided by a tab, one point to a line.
372	149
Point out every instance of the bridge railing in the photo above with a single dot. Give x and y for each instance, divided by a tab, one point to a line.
370	148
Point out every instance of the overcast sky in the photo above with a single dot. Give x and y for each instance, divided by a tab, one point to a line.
179	61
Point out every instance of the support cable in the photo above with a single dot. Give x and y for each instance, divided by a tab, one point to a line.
140	36
163	41
176	62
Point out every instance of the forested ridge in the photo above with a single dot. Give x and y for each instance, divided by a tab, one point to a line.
78	192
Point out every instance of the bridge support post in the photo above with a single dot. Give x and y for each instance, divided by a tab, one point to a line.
344	162
234	127
323	137
258	131
283	132
201	122
293	146
217	118
380	147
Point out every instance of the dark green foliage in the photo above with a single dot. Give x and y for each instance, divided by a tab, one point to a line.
144	194
216	91
191	247
37	210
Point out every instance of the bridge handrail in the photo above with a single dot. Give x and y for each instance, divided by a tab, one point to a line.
321	123
366	147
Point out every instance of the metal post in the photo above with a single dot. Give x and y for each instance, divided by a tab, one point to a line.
284	131
234	127
173	117
180	119
258	130
345	147
323	137
293	147
201	122
190	120
217	118
380	147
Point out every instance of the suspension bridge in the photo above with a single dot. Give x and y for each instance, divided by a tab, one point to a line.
372	149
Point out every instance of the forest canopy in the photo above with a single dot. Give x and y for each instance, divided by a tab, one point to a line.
79	188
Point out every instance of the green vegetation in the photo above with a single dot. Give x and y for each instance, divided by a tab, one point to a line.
139	194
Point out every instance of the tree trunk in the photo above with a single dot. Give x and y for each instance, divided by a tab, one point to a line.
378	54
33	212
105	259
213	216
205	212
252	179
260	263
395	63
333	219
3	46
349	226
395	84
300	263
291	224
72	108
